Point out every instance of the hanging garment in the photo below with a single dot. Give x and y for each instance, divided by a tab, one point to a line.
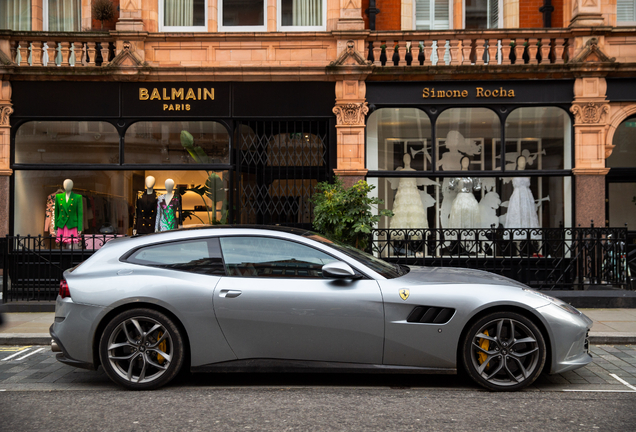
146	213
168	214
408	210
465	208
69	216
522	212
49	215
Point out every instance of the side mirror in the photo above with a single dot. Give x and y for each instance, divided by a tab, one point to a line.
338	270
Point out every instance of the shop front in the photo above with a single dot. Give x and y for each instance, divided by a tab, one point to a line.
196	153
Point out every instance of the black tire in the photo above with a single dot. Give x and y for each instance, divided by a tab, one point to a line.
132	345
504	351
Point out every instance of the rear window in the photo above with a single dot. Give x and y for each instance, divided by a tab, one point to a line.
196	256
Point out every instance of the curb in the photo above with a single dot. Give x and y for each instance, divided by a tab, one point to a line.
25	339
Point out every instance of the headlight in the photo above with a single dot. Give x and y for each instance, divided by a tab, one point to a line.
560	303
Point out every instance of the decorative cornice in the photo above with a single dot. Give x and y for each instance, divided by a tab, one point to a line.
350	57
590	171
127	59
5	112
589	112
351	114
591	53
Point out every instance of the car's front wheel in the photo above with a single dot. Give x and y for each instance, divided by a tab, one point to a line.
141	349
504	351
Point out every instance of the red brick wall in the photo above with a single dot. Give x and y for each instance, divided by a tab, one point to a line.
390	16
530	17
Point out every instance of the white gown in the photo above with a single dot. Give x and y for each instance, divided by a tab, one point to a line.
522	212
408	210
465	211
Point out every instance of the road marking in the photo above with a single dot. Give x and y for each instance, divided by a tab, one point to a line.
599	391
18	353
623	381
30	354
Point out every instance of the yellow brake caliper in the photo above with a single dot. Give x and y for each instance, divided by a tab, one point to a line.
484	344
162	347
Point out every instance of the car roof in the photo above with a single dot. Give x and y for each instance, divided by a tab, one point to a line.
291	230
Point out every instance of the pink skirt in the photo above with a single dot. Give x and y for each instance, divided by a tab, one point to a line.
65	234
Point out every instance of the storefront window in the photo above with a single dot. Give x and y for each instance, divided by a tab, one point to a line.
110	199
621	187
67	142
624	154
160	143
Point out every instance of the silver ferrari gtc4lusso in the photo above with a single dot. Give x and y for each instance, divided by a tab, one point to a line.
264	299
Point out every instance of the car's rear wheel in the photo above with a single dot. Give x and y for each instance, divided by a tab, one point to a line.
504	351
141	349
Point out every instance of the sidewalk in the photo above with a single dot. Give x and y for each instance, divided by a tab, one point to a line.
611	326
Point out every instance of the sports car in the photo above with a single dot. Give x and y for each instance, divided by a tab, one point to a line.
274	299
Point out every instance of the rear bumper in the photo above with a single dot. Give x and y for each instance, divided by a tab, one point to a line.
65	358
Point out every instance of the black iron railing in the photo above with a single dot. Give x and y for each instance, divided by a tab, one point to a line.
550	258
33	266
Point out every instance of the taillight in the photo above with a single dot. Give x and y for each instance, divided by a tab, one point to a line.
64	291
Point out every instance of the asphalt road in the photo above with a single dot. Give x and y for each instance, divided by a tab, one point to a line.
37	393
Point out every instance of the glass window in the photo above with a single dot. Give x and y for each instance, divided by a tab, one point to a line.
160	143
67	142
432	15
183	15
542	135
269	257
111	198
302	14
195	256
242	15
63	15
15	15
393	133
624	154
482	14
625	12
468	134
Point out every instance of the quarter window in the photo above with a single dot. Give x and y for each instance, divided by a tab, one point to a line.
196	256
269	257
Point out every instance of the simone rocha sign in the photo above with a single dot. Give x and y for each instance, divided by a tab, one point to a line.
480	92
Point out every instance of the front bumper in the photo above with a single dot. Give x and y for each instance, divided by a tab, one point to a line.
568	338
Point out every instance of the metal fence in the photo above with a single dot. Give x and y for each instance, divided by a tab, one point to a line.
33	266
570	258
547	258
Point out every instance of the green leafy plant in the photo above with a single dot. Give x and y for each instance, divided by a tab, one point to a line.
345	214
213	189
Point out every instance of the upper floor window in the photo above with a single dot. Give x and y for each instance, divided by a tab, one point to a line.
183	15
63	15
625	12
15	15
432	14
483	14
242	15
299	15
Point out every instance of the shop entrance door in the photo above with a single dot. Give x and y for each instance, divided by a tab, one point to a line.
279	164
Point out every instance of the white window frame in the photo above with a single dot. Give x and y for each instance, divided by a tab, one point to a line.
432	6
222	28
500	19
45	15
180	29
626	23
281	27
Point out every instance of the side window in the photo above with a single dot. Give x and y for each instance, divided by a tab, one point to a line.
269	257
196	256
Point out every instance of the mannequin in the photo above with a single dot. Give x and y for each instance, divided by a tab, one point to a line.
69	217
409	212
522	212
465	208
146	209
168	209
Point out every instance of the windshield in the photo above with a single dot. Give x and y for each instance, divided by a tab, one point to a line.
389	271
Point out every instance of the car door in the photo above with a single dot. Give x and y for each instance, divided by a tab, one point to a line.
274	303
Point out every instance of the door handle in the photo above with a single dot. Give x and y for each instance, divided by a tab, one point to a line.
230	293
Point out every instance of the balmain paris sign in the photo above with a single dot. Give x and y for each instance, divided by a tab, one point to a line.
171	97
176	99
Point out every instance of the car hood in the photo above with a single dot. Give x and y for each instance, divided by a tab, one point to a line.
453	275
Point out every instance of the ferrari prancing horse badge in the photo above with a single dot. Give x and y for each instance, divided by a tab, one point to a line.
404	293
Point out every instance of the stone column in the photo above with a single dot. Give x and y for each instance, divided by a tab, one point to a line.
350	110
6	110
350	15
130	16
587	13
590	109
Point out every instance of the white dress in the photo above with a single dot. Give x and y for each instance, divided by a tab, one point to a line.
464	211
522	212
408	210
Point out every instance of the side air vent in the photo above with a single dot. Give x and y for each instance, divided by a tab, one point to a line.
430	315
